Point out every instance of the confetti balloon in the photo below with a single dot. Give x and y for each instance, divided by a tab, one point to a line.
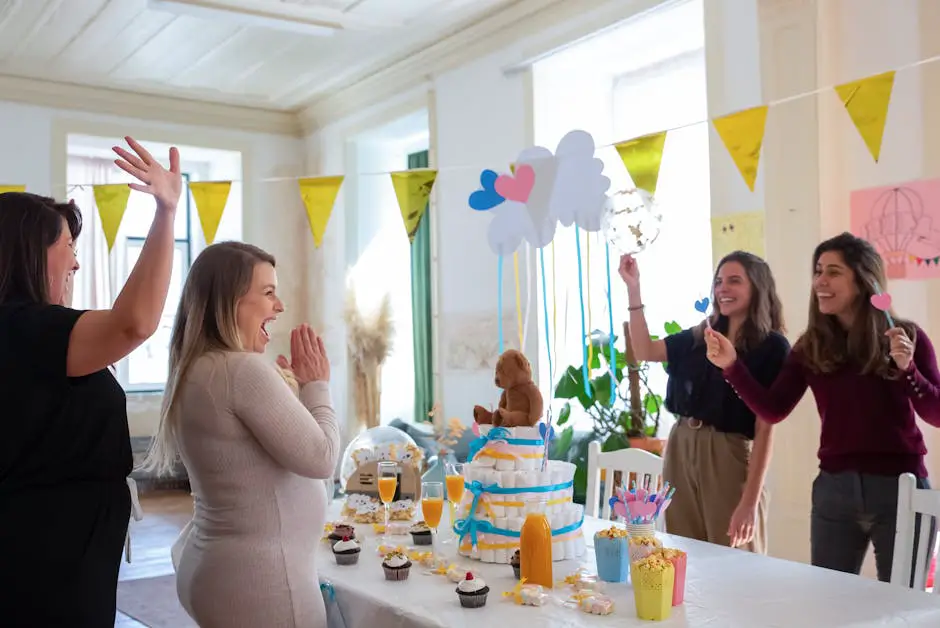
631	221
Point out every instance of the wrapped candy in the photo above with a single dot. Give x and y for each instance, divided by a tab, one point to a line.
527	594
595	603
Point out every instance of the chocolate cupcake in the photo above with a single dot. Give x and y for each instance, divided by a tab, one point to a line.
342	531
347	551
421	533
396	566
472	592
516	562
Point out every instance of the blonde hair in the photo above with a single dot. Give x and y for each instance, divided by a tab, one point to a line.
205	322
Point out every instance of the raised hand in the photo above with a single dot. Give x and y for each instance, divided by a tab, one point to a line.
719	349
308	361
164	185
902	348
629	271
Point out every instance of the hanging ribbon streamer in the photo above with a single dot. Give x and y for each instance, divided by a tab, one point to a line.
499	300
548	337
590	327
584	365
515	272
610	320
554	311
528	292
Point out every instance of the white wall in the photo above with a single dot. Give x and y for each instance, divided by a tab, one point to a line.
33	152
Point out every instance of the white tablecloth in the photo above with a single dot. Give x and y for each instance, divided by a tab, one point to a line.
725	588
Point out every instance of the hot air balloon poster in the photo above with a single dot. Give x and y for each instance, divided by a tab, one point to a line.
903	222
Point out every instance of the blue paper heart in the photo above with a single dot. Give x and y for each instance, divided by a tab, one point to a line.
486	198
542	429
702	305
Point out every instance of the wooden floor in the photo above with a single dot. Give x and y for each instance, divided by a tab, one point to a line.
165	515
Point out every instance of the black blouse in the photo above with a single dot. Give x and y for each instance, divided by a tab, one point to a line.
697	389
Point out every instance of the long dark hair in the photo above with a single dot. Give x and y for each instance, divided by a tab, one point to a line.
29	225
826	346
765	312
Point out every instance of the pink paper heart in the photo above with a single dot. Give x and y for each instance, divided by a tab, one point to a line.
620	510
518	187
476	428
881	301
642	509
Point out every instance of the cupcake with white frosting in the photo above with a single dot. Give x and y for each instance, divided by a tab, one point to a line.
347	551
472	591
397	566
421	533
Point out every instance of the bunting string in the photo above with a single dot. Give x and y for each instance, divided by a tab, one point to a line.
771	104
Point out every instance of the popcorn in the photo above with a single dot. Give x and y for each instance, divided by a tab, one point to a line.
649	541
668	553
652	563
613	532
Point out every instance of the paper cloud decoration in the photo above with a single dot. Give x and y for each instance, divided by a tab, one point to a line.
569	187
580	189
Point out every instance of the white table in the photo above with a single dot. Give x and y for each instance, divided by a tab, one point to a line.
725	588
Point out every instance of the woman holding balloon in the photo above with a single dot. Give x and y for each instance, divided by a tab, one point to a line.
870	373
718	453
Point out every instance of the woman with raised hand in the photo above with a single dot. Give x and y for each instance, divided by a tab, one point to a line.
870	373
65	449
256	451
718	453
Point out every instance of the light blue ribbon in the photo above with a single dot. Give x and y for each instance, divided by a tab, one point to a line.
471	525
485	526
584	352
499	490
499	435
499	301
610	319
330	592
548	340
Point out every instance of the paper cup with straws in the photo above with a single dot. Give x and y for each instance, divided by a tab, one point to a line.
653	584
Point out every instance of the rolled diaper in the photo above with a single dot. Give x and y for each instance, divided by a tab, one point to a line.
508	480
499	555
487	555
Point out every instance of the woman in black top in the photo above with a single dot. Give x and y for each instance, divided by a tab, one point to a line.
718	453
64	444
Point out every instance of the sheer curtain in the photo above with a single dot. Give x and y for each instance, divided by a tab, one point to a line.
98	279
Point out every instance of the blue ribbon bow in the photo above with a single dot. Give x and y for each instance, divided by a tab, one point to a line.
471	525
496	434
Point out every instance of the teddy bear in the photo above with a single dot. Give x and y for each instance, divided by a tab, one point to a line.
520	405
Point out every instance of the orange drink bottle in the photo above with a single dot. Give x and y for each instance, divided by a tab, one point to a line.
535	545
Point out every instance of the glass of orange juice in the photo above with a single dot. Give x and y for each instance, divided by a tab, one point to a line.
455	488
432	504
388	481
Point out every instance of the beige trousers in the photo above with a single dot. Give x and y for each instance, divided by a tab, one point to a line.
708	469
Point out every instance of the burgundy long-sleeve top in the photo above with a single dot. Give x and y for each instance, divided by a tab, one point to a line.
868	422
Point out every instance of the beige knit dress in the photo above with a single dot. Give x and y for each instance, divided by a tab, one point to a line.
256	456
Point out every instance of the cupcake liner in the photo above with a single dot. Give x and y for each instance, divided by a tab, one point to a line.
421	538
474	600
396	574
517	570
347	559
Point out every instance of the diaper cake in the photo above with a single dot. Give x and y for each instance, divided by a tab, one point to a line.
362	493
508	475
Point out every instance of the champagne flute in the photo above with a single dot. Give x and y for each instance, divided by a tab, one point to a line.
432	505
388	482
455	488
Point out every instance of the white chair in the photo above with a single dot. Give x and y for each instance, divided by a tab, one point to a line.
628	461
913	501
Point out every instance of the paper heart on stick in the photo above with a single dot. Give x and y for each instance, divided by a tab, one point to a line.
642	510
516	187
620	509
702	305
476	428
881	301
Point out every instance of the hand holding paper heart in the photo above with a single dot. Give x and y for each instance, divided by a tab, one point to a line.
902	348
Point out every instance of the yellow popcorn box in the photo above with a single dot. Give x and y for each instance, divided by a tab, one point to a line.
653	581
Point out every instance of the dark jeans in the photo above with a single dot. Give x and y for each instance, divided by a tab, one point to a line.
849	510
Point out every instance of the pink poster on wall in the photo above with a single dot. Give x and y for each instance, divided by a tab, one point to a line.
903	222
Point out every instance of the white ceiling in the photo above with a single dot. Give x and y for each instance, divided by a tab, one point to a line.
271	54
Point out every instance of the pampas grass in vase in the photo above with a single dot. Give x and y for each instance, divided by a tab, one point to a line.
369	340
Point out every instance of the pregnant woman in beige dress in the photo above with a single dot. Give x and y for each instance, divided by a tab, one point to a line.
256	452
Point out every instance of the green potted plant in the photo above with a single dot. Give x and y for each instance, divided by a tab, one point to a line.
625	411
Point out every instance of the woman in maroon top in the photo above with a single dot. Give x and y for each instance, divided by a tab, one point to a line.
869	379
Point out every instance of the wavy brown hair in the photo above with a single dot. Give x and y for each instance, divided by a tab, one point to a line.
765	312
826	346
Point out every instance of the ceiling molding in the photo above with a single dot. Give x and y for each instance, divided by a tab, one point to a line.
534	27
105	101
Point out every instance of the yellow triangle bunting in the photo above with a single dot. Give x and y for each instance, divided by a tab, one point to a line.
12	188
742	133
112	203
642	157
866	102
210	198
319	196
413	189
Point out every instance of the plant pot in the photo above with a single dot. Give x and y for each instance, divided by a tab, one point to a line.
653	445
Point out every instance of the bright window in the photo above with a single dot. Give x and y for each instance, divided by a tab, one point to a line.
102	274
657	87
